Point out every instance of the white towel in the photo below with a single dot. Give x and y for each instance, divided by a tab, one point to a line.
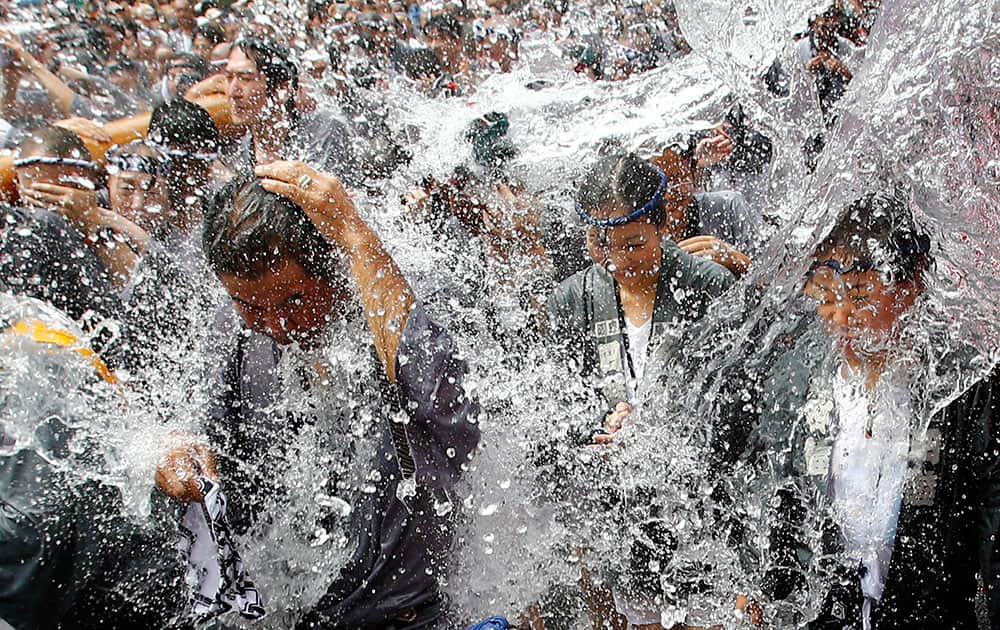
215	573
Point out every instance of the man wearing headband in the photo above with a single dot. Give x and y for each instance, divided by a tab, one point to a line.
641	291
854	433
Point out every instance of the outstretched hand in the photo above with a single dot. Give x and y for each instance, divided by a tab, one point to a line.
613	423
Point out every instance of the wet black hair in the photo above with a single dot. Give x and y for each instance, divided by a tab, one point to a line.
210	31
249	230
621	180
880	231
274	62
444	23
53	142
183	126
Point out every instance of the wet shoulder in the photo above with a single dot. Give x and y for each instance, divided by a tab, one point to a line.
684	270
566	304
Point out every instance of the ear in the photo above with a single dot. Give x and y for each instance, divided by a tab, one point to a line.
594	249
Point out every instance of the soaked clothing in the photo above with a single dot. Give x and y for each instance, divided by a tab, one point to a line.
585	317
70	557
942	538
320	140
726	215
397	546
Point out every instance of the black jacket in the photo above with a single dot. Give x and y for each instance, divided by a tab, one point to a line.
944	570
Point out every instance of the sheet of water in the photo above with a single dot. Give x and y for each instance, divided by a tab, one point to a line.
921	111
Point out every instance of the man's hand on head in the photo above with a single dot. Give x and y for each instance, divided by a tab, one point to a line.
718	251
320	195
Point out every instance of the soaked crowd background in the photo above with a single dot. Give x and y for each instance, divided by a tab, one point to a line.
557	314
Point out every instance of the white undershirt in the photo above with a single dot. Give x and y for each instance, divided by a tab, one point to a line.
638	349
869	473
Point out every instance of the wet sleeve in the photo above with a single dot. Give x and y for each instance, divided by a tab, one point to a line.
443	428
83	107
982	415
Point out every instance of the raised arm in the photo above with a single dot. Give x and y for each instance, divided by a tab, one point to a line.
60	93
385	295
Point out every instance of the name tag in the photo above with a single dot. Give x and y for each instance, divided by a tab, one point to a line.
818	458
610	356
608	328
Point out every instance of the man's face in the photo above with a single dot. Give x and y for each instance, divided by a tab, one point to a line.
285	303
202	47
628	251
859	308
247	88
140	198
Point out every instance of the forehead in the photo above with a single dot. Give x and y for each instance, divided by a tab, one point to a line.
634	230
53	172
240	63
131	177
277	282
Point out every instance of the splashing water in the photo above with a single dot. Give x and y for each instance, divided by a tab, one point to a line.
532	509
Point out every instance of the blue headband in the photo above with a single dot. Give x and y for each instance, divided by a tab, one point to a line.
651	205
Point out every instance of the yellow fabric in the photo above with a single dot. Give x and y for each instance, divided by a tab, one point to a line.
41	333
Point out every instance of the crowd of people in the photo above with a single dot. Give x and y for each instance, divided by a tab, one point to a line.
267	124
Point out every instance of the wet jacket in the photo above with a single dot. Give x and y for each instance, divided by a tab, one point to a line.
399	547
585	318
950	512
70	557
319	139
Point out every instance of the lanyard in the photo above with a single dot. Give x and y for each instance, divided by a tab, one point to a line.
623	328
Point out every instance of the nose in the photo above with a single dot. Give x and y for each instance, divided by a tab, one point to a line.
275	325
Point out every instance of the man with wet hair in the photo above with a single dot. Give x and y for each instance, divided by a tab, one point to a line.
288	245
42	255
262	85
185	132
906	489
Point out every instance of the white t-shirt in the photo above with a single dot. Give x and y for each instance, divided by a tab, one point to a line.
869	473
638	350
